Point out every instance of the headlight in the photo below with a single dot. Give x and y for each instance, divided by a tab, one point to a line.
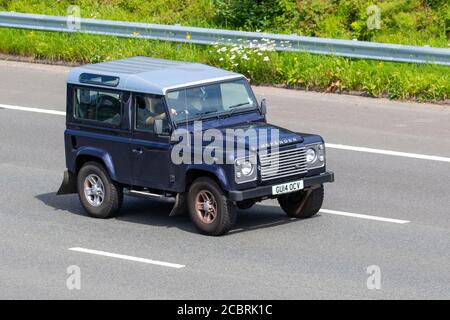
311	155
245	169
315	156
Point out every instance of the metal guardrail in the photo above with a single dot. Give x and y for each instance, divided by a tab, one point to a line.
280	42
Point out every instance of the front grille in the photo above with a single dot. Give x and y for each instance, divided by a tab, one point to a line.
283	164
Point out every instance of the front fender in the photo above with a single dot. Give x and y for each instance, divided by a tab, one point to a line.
217	171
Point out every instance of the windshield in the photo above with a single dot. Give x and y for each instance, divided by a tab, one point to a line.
218	99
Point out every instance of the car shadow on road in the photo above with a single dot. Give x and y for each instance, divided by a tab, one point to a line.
156	213
68	203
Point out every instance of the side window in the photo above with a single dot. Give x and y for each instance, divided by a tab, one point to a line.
98	105
149	112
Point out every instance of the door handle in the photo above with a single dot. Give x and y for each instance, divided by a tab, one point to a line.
138	150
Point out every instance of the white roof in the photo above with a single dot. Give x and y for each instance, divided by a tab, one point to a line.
154	76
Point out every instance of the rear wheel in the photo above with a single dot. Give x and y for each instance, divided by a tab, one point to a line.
100	196
302	204
209	209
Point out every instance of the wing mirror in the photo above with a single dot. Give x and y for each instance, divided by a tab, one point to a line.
263	107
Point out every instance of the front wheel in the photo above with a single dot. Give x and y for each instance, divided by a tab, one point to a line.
210	210
302	204
100	196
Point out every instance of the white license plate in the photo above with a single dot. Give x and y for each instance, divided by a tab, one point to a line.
287	187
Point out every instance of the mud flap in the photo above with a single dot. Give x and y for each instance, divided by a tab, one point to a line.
69	184
180	206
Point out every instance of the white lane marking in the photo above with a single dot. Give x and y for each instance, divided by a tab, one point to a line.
328	145
38	110
387	152
363	216
125	257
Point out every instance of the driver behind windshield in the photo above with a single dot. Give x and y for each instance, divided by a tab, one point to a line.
194	101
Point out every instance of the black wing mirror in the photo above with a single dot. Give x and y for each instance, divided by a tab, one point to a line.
263	107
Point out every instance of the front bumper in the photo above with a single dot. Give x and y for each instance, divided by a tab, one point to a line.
265	191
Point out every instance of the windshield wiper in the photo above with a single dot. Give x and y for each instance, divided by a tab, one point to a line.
205	113
234	108
199	116
238	105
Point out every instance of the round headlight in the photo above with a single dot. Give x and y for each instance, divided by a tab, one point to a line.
247	168
311	155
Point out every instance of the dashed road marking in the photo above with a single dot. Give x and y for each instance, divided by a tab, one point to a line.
388	152
38	110
363	216
126	257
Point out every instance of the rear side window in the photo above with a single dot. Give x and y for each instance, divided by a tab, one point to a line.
97	105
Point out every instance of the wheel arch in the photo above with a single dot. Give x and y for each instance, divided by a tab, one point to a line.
217	174
92	154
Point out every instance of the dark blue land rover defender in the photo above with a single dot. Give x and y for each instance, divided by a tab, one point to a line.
158	128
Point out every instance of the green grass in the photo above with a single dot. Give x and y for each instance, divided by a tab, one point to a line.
186	12
302	70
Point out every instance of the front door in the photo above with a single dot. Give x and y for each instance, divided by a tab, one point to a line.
150	151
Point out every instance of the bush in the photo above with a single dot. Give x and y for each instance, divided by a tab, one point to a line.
405	21
248	14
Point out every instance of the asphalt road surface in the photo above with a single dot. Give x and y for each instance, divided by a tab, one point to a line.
391	160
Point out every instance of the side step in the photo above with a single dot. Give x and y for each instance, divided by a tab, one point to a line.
179	208
147	194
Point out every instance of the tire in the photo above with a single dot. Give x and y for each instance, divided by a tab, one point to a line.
206	190
302	204
112	192
245	204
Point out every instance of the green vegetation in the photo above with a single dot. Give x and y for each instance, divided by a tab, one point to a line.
416	22
186	12
402	21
